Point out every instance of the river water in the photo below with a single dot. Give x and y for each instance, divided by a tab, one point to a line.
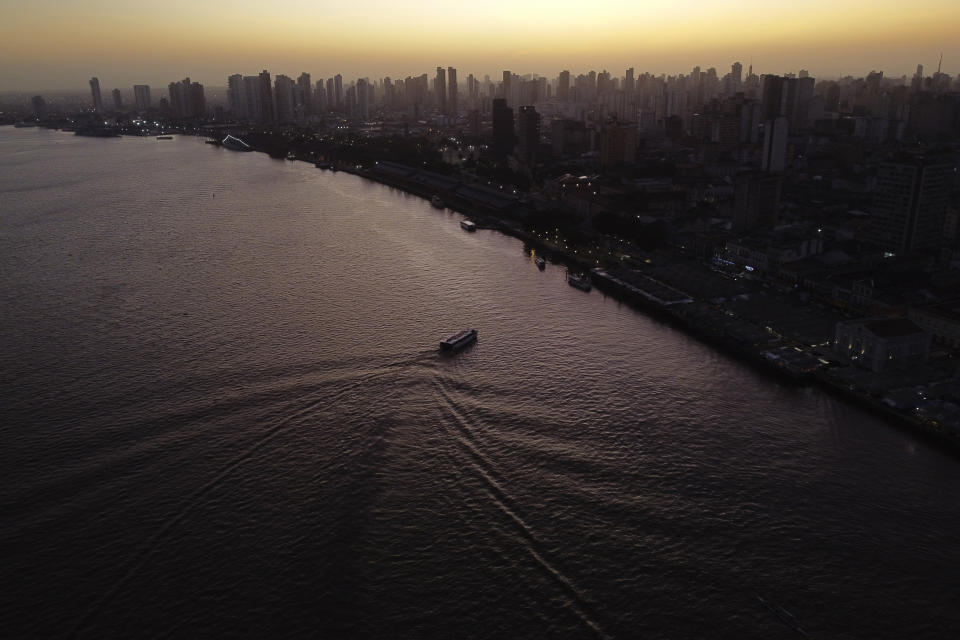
223	414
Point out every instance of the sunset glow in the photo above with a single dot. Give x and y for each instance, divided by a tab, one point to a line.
47	44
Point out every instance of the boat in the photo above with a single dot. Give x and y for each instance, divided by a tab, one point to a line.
468	225
321	165
164	137
437	202
235	144
580	282
459	340
291	156
540	262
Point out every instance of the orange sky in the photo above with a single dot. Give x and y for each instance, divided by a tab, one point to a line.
54	44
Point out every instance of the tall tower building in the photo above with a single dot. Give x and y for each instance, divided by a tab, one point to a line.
563	86
440	89
528	128
304	97
117	100
338	91
235	97
910	203
451	92
363	99
141	95
95	93
284	99
502	127
267	115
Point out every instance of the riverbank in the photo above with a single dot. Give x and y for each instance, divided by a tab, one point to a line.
790	360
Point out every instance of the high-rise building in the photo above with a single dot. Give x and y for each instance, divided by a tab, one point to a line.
95	93
267	114
440	89
618	143
503	139
911	202
331	95
141	95
284	99
253	97
563	86
756	201
363	99
775	145
39	106
236	100
451	92
304	96
186	99
528	130
117	99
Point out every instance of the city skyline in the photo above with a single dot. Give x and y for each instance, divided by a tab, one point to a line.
127	46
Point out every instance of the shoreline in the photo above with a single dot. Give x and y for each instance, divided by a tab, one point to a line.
749	355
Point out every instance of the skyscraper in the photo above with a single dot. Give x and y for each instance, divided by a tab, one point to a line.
910	203
236	99
141	95
452	92
363	99
440	89
528	126
304	96
284	99
563	86
95	93
502	127
266	99
117	100
338	91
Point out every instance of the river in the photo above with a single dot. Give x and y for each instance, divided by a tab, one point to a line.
223	413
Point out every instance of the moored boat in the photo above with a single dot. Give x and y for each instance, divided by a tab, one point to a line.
164	137
468	225
580	282
437	202
459	340
540	262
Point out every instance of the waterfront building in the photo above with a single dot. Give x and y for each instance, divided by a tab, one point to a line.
882	344
267	114
910	203
95	94
141	96
117	100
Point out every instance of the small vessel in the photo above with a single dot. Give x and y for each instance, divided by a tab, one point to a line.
468	225
321	165
164	137
459	340
437	202
235	144
540	262
580	282
291	156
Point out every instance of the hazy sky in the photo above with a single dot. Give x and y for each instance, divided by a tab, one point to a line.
61	43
